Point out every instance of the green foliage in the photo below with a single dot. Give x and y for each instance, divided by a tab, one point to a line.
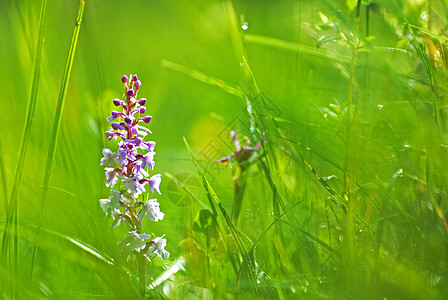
345	198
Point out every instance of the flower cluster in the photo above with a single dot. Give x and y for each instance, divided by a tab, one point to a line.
126	170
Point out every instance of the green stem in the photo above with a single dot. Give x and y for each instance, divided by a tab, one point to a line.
239	188
141	261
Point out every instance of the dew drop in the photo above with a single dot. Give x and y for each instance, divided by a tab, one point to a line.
424	16
380	106
245	26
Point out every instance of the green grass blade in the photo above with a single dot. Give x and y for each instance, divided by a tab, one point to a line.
292	47
59	189
200	76
56	126
177	265
234	30
3	180
12	213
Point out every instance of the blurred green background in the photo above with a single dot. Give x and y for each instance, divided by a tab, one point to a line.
346	199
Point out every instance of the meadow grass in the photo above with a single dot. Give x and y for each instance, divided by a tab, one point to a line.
344	199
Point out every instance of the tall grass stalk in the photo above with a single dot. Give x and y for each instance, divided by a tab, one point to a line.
3	179
56	128
351	166
9	250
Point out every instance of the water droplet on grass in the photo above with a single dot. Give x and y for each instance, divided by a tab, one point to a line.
380	106
245	26
424	16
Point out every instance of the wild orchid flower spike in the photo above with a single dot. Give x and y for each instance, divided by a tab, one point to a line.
127	171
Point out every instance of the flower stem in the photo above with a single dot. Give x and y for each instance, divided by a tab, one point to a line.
141	273
239	188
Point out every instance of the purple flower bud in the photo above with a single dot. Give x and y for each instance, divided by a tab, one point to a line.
142	101
146	119
124	79
138	84
127	120
130	92
117	126
135	78
115	114
142	110
117	102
